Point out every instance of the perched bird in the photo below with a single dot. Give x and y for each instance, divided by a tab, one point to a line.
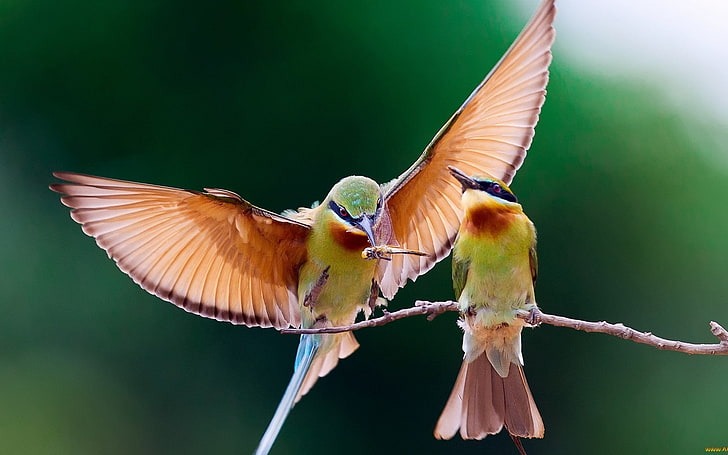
493	272
217	255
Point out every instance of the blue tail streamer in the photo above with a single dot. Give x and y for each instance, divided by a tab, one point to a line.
307	349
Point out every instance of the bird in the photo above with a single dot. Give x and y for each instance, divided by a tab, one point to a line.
215	254
494	267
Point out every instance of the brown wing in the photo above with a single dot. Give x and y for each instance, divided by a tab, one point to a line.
533	260
487	136
211	253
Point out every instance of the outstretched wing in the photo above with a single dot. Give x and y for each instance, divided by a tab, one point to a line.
488	136
211	253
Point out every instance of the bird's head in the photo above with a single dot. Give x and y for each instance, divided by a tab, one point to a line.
355	204
491	189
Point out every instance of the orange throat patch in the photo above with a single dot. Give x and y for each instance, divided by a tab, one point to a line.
488	220
350	239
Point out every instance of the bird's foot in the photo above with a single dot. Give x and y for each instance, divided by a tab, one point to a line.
534	317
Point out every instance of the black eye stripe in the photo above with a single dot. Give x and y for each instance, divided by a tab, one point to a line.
341	212
495	189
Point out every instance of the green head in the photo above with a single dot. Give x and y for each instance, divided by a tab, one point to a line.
357	202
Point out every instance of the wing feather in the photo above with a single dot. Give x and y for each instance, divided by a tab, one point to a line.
211	253
488	136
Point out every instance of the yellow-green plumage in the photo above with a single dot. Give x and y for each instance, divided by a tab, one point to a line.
336	247
492	264
335	283
494	268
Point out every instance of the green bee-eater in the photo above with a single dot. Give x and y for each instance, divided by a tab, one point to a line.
216	255
493	272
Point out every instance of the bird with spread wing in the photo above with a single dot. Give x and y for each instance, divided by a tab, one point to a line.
215	254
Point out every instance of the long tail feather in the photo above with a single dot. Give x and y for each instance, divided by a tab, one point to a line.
522	417
307	349
317	355
482	402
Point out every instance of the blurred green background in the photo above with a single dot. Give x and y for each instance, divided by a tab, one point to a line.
277	102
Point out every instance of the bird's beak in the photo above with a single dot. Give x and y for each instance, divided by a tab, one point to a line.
365	224
463	178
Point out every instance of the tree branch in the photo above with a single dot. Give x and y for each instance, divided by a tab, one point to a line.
627	333
421	308
433	309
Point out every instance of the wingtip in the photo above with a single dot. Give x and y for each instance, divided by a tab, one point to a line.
56	186
59	174
66	175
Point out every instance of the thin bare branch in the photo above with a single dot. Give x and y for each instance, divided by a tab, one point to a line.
627	333
421	308
433	309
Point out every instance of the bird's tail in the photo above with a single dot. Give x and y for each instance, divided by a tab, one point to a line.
316	356
334	347
482	402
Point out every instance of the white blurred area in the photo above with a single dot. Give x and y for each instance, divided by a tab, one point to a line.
679	46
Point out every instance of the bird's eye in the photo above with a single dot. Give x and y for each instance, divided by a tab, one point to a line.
496	188
339	210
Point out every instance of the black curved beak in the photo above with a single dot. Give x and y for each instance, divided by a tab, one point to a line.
465	180
365	224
